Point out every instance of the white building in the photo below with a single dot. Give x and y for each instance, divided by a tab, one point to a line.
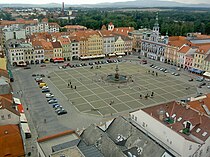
8	115
108	41
14	33
53	27
75	48
180	129
19	53
152	45
37	27
38	52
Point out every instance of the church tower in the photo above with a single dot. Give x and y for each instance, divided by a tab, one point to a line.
156	28
110	26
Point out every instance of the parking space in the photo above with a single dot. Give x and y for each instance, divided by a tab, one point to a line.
85	90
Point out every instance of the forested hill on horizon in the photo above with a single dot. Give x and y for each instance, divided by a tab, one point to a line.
135	3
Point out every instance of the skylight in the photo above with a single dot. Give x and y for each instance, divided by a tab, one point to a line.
204	134
198	130
179	119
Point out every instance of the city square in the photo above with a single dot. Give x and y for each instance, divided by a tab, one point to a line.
95	96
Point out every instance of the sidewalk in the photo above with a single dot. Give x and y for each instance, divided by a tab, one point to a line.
30	143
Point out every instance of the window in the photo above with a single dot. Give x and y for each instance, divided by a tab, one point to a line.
2	117
135	118
9	116
190	148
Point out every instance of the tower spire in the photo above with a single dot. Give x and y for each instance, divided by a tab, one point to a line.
156	23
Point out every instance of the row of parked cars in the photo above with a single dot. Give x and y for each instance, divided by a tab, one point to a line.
90	63
163	70
50	97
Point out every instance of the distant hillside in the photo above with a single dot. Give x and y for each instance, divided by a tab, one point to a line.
137	3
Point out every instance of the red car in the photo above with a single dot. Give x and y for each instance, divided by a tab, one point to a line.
144	61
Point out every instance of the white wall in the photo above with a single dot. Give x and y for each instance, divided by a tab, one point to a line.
167	136
14	119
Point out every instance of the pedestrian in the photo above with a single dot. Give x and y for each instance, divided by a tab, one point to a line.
156	74
45	120
148	71
140	96
75	87
68	84
145	96
71	86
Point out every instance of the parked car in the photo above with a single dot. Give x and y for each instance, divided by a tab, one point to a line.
27	67
33	75
45	87
202	84
200	79
190	80
58	109
49	95
55	105
45	90
176	74
43	65
52	101
173	73
42	75
62	112
58	106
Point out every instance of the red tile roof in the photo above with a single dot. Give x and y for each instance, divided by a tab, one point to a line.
76	27
178	41
7	104
203	49
197	105
47	45
64	41
106	33
123	30
184	49
56	44
11	141
187	114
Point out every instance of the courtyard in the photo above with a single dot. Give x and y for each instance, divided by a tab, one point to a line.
95	96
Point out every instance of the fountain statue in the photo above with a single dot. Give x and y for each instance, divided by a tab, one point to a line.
116	77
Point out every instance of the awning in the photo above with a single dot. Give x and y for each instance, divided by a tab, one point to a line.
198	71
112	54
23	118
16	100
120	54
89	57
206	74
25	127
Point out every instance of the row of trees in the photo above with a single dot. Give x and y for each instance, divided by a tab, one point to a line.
175	21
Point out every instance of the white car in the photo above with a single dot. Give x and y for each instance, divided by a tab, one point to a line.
45	87
208	86
49	95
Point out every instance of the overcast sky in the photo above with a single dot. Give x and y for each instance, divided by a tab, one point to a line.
88	1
